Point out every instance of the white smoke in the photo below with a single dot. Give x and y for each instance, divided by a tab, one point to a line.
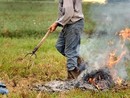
110	19
115	1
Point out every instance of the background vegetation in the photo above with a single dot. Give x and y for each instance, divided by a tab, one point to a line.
20	19
22	25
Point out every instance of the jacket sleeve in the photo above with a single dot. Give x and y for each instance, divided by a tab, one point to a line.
68	12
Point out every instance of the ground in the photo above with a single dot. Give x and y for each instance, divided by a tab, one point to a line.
22	26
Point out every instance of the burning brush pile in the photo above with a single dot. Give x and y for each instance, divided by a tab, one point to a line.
102	77
105	51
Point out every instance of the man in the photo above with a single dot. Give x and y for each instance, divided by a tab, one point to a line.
71	19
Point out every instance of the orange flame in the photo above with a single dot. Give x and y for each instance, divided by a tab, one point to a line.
118	81
91	80
113	59
125	34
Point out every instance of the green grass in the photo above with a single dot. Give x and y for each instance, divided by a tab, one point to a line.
22	25
48	66
21	19
14	50
74	94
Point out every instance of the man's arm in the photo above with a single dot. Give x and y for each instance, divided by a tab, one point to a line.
68	12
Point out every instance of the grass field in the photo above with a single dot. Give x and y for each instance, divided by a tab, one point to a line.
21	19
22	25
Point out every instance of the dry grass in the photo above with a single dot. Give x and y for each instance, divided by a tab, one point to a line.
19	21
49	65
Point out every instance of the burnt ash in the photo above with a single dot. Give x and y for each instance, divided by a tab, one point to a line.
102	81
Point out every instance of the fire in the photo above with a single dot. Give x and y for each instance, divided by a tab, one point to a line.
125	34
91	81
114	59
119	81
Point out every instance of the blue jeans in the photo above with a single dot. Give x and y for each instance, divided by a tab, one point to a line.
3	89
69	41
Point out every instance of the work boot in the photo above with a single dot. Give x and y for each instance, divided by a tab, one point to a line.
73	74
81	64
79	60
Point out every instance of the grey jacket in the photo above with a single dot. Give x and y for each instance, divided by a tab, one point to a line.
70	11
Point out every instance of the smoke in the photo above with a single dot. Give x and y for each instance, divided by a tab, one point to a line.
110	19
114	1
